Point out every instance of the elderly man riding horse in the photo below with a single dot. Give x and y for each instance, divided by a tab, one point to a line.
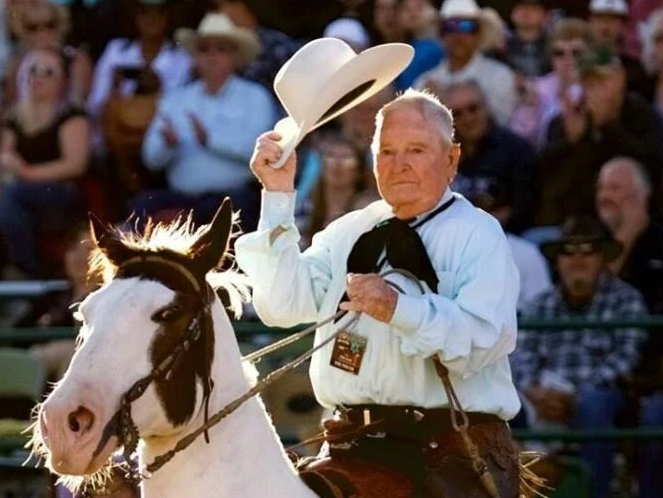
419	378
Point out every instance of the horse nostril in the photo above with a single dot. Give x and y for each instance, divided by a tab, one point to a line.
80	420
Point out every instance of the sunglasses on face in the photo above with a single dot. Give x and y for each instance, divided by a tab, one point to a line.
559	52
347	162
470	110
206	46
37	71
463	26
33	27
584	249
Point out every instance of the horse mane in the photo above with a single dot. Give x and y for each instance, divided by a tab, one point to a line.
176	237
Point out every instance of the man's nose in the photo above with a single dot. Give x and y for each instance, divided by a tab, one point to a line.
401	161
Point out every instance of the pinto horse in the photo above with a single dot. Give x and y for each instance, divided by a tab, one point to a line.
158	317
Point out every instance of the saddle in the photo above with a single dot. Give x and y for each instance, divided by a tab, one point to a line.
345	479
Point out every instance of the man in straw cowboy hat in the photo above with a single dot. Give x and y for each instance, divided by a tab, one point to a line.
381	373
464	28
203	133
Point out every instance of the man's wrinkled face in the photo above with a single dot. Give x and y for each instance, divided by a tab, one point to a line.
414	165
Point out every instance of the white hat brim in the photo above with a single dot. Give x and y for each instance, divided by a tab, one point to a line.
248	44
367	73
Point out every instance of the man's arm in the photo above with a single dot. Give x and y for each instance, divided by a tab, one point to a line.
156	152
477	326
288	286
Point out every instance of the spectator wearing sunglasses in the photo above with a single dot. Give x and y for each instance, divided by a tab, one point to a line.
572	377
203	134
539	99
37	25
492	153
157	63
607	20
45	149
651	35
463	33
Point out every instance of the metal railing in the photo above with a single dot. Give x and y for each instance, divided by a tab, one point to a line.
247	330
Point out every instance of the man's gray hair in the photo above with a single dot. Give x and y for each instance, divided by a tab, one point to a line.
430	107
637	169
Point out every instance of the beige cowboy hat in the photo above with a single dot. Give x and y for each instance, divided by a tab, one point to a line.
220	26
325	78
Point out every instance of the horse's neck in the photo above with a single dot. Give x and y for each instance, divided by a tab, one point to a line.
244	457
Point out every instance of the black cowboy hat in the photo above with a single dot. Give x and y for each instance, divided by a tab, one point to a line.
578	230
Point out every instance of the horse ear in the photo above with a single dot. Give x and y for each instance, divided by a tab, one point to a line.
212	244
107	242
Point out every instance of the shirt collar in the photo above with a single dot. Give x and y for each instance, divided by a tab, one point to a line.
448	194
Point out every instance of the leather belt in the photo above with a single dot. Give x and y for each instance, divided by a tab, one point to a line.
437	418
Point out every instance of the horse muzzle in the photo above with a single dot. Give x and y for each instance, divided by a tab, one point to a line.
71	432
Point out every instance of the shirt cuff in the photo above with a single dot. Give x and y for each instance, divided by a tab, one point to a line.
409	314
277	209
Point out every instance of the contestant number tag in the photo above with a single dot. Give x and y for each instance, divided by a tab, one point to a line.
348	352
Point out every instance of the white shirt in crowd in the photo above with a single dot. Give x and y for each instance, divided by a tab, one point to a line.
172	65
497	81
532	267
470	322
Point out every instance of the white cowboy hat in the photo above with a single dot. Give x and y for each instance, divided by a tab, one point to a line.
325	78
220	26
614	7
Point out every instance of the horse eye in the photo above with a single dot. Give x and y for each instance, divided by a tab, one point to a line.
167	315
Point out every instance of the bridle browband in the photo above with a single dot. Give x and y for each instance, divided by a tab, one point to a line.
121	424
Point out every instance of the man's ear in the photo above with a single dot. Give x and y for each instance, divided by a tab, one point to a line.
454	160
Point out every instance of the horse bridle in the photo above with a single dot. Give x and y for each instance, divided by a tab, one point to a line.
121	424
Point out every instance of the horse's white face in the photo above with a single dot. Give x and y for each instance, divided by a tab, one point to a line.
130	326
118	334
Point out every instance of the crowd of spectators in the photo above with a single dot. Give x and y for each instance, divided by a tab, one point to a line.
150	108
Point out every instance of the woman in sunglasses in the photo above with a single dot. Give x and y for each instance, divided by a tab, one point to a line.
41	24
45	149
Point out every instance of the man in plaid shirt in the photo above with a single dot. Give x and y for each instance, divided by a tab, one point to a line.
571	376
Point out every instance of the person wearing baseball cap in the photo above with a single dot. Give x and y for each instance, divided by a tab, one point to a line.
607	20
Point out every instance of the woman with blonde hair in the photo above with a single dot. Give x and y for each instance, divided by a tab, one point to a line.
45	149
40	24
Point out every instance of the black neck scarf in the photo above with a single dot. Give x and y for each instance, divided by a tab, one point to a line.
403	247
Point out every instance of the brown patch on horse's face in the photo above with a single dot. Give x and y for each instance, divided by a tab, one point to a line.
178	394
